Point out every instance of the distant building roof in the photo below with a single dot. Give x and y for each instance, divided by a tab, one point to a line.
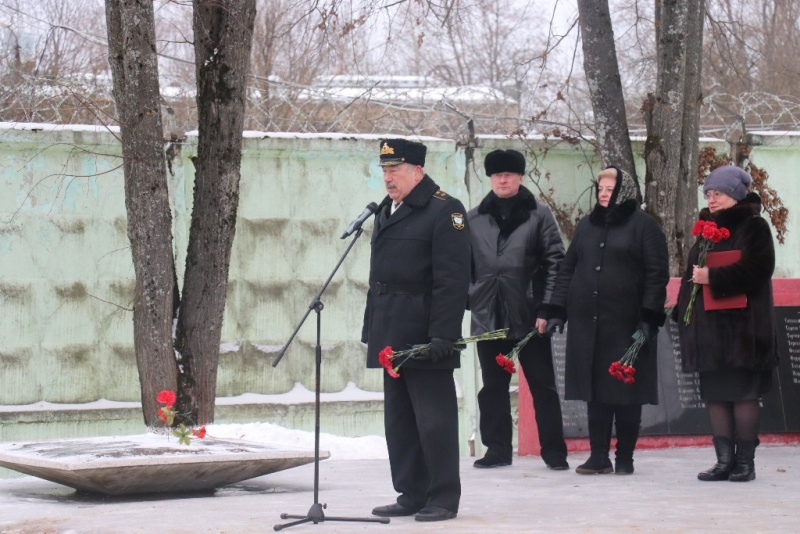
401	88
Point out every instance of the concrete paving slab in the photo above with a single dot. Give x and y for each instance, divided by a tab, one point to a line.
151	463
663	495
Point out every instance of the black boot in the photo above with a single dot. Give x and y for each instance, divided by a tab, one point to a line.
745	469
725	461
628	420
600	422
597	464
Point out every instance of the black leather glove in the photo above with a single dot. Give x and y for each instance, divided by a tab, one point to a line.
555	325
440	349
650	331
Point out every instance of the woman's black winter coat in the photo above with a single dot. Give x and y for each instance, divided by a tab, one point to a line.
740	338
614	275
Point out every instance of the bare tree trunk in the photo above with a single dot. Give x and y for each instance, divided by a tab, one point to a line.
134	67
602	72
664	119
686	197
222	40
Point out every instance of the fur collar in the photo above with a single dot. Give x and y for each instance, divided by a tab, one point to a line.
732	217
522	204
615	216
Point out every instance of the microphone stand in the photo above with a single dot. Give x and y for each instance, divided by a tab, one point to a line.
315	513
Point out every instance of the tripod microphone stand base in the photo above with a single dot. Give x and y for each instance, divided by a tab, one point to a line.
316	515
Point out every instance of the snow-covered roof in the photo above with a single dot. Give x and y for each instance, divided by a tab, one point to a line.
473	94
47	127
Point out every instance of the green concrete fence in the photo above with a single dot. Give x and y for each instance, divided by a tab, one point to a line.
67	365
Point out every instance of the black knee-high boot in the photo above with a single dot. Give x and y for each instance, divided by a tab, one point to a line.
725	461
745	468
601	419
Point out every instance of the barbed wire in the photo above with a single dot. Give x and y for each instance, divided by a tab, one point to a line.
733	115
375	106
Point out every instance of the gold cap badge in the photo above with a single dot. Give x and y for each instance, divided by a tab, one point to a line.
386	149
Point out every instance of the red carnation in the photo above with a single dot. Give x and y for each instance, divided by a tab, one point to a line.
385	357
200	432
506	363
167	397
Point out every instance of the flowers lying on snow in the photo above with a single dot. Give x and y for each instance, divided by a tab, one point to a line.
167	415
392	360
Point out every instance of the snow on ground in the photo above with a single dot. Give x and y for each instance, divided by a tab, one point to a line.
341	448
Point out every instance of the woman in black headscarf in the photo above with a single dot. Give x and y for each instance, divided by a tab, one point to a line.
612	282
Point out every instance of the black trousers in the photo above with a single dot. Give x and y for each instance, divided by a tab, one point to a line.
494	402
421	424
625	418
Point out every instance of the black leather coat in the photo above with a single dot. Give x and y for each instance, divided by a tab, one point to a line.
515	260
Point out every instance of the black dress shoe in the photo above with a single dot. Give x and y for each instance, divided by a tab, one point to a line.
434	513
393	510
489	461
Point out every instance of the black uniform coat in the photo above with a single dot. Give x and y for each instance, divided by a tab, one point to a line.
514	266
419	275
733	339
614	275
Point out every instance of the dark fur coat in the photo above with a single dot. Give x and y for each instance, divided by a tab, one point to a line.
741	338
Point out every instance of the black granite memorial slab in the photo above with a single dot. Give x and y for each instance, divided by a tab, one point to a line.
680	410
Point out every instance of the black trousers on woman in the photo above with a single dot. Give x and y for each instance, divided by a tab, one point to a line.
602	417
494	401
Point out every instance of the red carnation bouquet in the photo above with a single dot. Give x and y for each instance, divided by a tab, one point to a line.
709	235
623	368
506	361
392	360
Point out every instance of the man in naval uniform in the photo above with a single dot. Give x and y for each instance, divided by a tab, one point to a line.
418	282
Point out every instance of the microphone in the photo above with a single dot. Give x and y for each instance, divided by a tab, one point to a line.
356	224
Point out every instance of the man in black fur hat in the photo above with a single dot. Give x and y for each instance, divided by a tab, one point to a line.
516	252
